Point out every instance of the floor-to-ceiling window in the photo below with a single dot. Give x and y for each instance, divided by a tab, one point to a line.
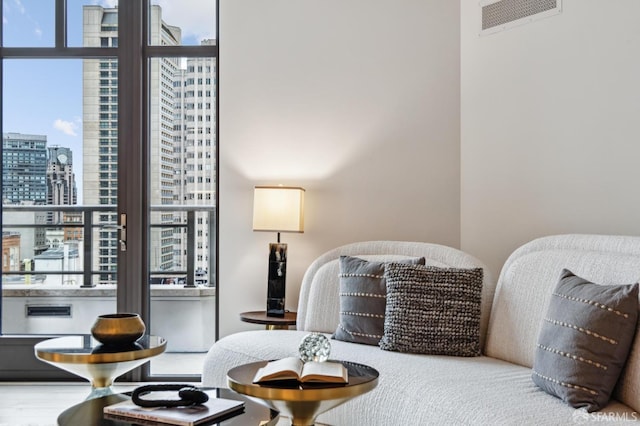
109	173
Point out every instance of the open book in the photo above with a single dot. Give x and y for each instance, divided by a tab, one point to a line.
294	368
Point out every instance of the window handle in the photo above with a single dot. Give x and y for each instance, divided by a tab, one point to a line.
123	232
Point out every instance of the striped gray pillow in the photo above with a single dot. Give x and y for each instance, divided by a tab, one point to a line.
363	293
585	340
432	310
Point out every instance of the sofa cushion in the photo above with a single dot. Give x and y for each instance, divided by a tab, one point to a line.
432	310
363	294
585	340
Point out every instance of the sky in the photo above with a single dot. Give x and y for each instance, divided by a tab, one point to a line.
44	97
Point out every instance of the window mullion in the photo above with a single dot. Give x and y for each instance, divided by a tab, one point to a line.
132	177
61	24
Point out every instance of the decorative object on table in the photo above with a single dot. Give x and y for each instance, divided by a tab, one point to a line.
119	329
187	395
314	347
207	412
91	412
293	368
278	209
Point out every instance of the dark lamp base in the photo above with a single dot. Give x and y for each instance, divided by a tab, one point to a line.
275	307
276	279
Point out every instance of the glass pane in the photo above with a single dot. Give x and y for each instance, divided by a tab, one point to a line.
183	173
186	22
53	158
28	23
96	20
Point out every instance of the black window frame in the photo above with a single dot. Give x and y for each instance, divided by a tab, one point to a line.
134	53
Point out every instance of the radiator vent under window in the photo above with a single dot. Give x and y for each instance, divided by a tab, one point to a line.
505	13
48	310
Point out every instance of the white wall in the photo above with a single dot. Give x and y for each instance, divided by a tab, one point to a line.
550	127
358	102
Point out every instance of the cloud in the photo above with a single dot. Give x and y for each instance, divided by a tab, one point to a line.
196	18
20	6
66	127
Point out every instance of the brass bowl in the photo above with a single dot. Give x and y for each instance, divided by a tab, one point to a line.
118	329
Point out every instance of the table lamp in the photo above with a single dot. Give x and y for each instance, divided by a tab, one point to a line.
277	209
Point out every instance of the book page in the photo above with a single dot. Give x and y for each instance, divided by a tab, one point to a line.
324	372
282	369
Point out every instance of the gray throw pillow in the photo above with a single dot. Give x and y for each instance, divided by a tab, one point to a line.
585	340
432	310
363	293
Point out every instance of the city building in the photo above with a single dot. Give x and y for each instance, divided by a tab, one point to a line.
100	132
24	166
194	149
33	240
75	233
64	257
61	181
10	251
24	182
181	138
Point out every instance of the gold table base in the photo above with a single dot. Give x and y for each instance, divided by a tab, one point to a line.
302	404
85	357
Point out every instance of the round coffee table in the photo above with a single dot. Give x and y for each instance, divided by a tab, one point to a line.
86	357
89	413
302	403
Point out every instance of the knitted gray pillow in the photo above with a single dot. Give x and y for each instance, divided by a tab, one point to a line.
432	310
363	293
585	340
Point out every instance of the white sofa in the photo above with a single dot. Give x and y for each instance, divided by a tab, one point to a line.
495	388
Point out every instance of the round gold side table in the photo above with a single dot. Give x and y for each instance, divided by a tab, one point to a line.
86	357
302	403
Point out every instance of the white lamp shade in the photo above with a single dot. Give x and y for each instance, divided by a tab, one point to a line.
278	209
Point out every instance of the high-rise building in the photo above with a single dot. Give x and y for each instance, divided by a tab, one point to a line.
61	181
100	130
100	133
194	148
24	167
162	164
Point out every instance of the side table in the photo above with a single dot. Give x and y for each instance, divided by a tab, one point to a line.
302	403
270	323
86	357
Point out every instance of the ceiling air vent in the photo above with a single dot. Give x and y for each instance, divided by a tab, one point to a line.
503	14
